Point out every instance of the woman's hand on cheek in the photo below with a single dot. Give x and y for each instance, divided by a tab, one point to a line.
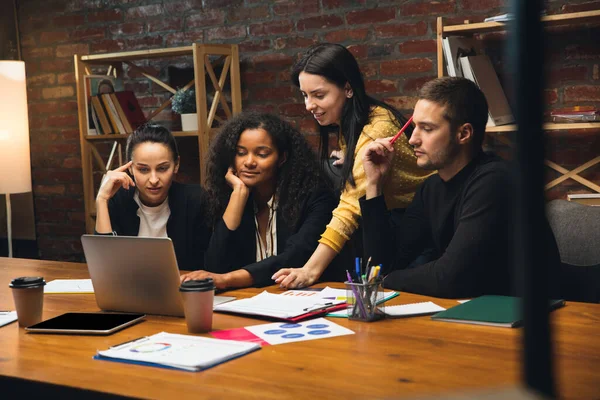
233	180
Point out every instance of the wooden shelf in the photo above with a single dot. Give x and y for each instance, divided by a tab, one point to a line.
575	19
111	137
549	20
136	55
550	126
204	58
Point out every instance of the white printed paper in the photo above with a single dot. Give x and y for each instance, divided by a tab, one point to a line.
276	305
69	286
6	317
407	310
280	332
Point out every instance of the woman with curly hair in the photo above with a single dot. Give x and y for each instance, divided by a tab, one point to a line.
266	199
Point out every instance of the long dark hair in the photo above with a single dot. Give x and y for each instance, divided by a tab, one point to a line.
296	177
336	64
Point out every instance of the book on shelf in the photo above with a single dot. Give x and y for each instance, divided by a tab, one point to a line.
586	114
455	47
500	18
507	17
131	108
480	70
115	120
491	310
94	117
93	86
101	114
122	116
590	199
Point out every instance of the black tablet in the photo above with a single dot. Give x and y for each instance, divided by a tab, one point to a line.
86	323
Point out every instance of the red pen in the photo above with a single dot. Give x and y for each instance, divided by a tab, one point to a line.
401	130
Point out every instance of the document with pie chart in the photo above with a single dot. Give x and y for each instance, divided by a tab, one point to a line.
168	350
280	332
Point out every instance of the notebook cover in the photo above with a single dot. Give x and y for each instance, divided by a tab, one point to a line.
489	310
152	364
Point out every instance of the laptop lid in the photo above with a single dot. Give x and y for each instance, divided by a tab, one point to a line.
134	274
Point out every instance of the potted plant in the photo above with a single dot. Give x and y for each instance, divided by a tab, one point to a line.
183	102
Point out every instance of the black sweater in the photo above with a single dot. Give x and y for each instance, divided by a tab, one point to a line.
186	225
232	250
467	220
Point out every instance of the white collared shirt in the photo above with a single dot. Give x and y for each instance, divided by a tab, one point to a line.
153	220
268	249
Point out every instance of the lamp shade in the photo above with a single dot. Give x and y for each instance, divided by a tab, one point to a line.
15	164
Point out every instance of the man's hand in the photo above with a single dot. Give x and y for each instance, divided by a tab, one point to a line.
377	160
220	280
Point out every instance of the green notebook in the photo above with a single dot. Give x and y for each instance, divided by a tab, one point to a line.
489	310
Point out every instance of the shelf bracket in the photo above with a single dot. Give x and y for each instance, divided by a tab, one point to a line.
573	174
151	77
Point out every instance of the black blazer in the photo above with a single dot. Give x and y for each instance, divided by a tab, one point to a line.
186	226
232	250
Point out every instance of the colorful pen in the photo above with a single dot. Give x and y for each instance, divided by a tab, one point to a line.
401	130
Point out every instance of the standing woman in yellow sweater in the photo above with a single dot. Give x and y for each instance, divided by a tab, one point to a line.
334	93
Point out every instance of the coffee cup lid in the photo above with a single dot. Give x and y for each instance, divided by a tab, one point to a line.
24	282
201	285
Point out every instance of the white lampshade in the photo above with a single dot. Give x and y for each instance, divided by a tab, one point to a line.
15	164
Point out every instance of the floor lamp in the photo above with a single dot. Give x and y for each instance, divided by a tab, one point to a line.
15	165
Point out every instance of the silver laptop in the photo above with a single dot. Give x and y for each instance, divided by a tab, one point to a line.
135	274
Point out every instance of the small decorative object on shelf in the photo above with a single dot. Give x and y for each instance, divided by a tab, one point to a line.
184	103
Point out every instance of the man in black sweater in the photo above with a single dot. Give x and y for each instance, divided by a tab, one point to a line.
463	212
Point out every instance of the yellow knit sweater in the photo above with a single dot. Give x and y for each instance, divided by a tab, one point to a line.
399	187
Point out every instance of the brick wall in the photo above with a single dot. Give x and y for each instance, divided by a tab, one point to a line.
394	42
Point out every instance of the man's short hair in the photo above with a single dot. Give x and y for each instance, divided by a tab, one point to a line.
464	102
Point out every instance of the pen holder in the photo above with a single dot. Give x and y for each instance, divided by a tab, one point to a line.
362	299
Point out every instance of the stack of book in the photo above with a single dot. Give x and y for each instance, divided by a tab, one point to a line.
464	57
110	110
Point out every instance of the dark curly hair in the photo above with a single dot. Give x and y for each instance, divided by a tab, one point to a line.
296	178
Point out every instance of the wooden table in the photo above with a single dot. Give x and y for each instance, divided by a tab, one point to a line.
390	358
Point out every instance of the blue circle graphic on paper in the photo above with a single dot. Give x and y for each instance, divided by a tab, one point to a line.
290	326
317	326
275	331
292	335
319	332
